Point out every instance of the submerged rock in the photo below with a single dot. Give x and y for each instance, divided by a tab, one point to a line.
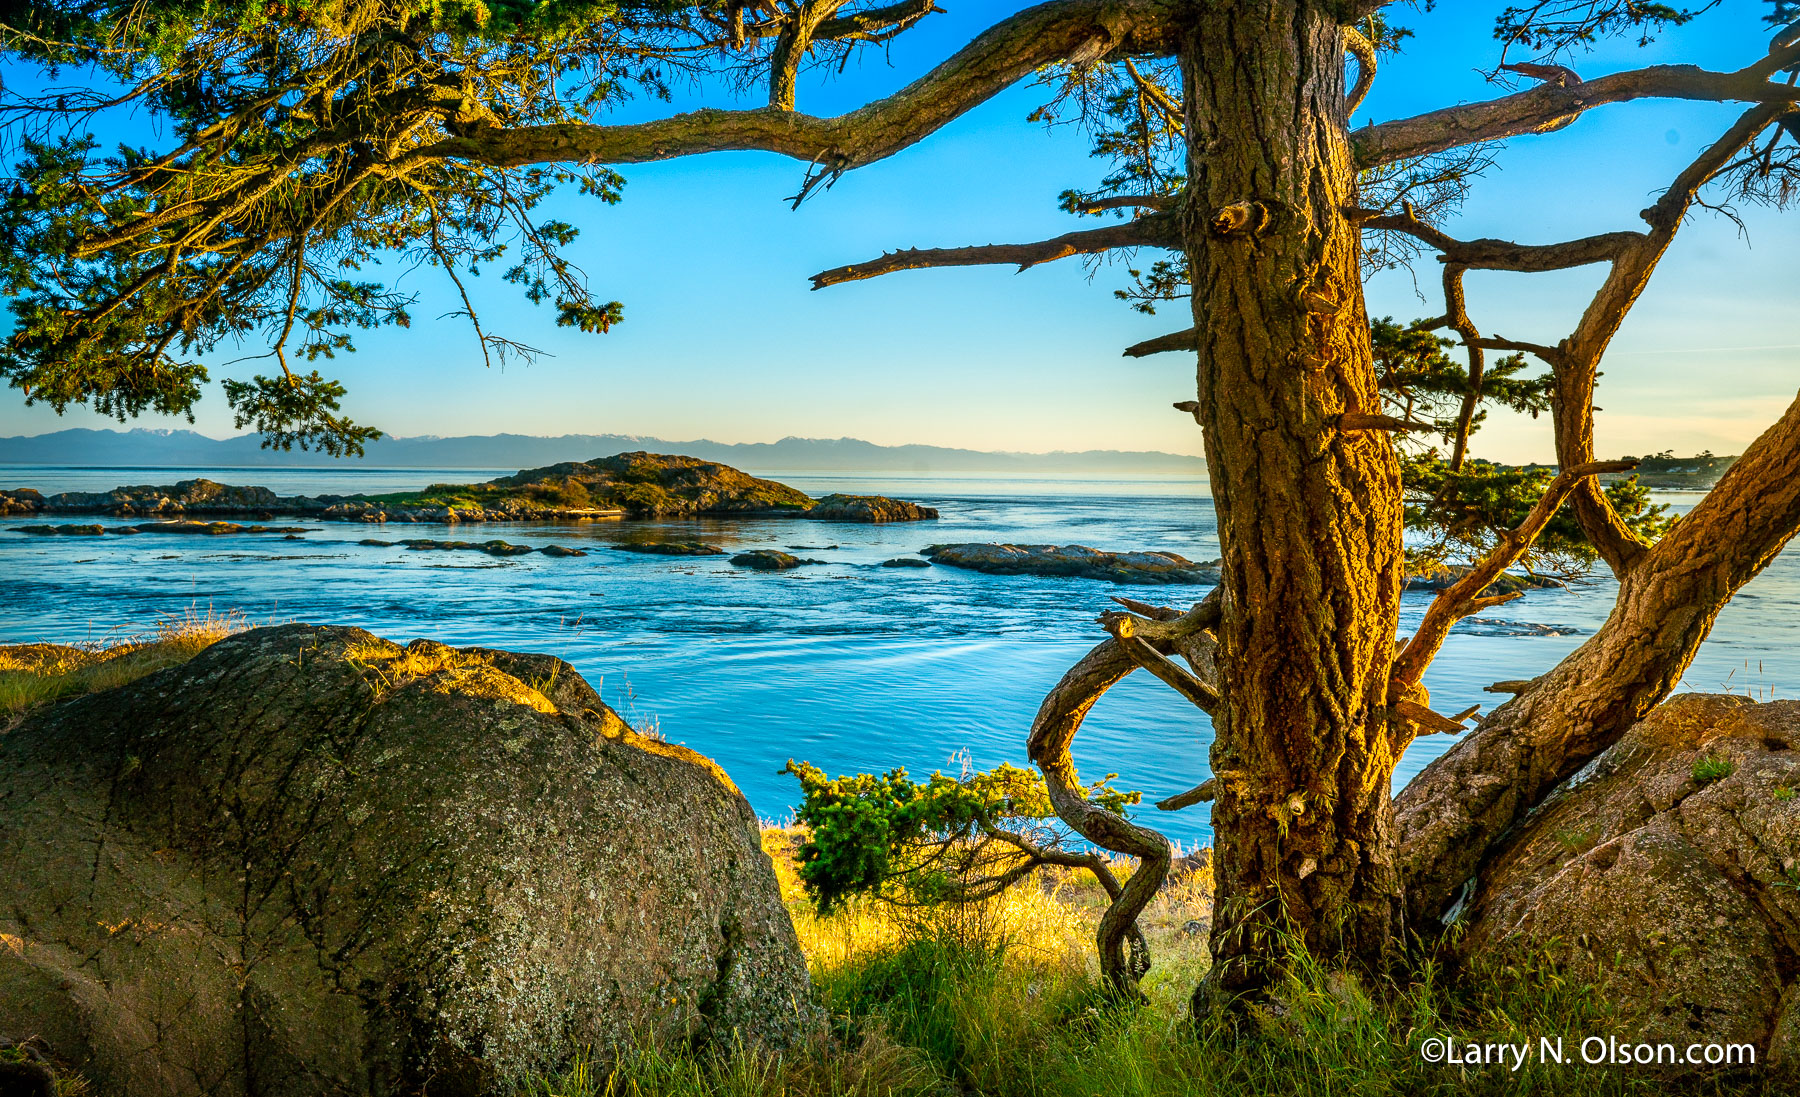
492	548
906	562
208	528
669	548
1075	561
61	531
310	861
769	560
1668	872
869	508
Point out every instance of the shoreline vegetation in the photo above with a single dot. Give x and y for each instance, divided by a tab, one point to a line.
1002	996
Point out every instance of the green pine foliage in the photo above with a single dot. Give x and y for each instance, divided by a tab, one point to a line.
924	842
1459	515
255	206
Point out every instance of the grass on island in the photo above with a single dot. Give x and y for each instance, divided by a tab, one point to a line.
1002	999
36	674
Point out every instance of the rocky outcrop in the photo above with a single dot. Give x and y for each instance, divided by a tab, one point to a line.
20	501
1668	872
1076	561
187	497
313	862
1435	577
906	562
639	485
652	485
1080	561
869	508
770	560
669	548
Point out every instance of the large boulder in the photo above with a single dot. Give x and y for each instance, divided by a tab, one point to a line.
313	862
1668	872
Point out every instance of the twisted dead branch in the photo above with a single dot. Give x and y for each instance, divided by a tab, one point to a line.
1123	959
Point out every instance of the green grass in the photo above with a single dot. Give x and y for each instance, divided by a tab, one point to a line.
1709	768
38	674
1003	1000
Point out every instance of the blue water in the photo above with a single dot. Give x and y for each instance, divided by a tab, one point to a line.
847	665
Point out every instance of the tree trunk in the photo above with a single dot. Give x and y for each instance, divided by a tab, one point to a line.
1309	517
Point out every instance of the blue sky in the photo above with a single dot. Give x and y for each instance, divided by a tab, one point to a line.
723	339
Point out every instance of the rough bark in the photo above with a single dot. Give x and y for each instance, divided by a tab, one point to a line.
1309	516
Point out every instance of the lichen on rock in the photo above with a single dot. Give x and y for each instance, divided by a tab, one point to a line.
1668	873
310	861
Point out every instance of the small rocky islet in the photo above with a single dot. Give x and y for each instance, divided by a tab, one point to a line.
625	485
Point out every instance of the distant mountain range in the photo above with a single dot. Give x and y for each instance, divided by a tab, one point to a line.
189	449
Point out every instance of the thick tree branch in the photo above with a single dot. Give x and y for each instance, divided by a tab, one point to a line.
1359	47
1123	628
1576	366
1058	31
1464	596
1489	254
1548	107
1151	230
1451	815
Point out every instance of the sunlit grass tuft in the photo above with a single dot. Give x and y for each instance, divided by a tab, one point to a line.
37	674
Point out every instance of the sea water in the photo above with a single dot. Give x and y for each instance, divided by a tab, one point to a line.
845	664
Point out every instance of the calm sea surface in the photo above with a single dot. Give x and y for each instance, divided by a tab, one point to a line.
848	665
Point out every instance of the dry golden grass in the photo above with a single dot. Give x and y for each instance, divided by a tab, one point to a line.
37	674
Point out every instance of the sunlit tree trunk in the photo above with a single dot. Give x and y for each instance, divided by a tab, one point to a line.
1309	514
